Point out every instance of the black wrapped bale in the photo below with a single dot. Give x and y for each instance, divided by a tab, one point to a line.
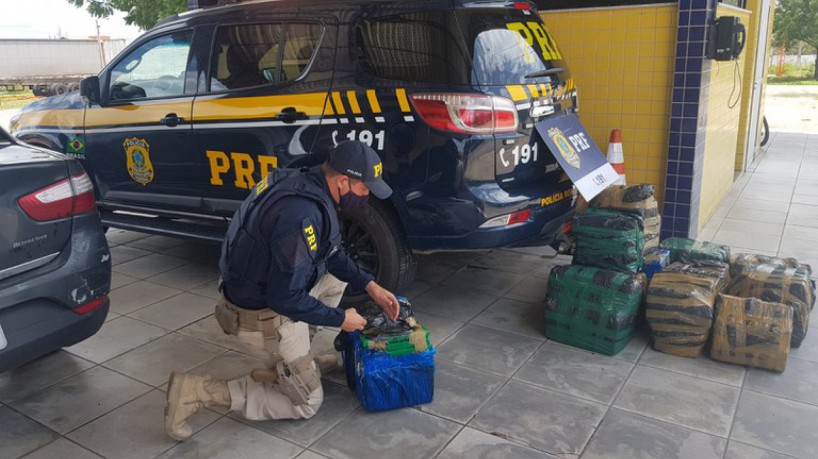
636	199
688	250
679	310
608	239
592	308
751	332
779	284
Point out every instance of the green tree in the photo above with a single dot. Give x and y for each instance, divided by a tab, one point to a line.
142	13
797	20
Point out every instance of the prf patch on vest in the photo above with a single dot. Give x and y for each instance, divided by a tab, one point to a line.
310	235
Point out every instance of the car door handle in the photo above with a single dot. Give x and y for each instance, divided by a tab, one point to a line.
290	115
171	120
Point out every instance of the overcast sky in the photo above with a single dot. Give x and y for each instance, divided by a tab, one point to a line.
50	18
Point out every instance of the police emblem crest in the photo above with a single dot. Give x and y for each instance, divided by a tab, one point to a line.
140	167
565	148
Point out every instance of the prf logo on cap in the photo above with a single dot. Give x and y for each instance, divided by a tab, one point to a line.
378	169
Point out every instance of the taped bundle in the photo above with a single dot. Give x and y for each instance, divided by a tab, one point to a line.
779	284
592	308
609	239
688	250
704	268
741	261
634	199
679	310
751	332
391	364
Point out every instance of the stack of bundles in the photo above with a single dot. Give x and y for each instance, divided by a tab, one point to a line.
751	332
656	260
679	307
688	250
636	199
391	364
592	308
609	239
779	283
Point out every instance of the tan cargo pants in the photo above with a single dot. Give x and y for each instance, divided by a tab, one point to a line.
290	386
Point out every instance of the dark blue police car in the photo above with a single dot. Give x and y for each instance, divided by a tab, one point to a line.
179	126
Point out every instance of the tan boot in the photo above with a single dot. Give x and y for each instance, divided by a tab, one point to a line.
186	394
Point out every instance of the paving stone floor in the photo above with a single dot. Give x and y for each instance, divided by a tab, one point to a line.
502	389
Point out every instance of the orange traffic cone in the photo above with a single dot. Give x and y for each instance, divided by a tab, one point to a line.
616	157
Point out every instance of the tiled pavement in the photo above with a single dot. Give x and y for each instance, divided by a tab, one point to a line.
502	389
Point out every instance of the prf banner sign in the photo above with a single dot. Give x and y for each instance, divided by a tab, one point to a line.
578	155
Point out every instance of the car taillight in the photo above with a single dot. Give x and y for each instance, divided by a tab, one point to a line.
72	196
467	113
521	216
522	6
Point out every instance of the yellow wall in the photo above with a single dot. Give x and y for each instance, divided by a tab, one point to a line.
751	22
723	125
621	59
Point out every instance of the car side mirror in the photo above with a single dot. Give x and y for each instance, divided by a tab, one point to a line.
89	89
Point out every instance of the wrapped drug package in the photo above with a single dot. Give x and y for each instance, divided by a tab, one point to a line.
689	250
637	199
391	364
779	283
592	308
679	307
751	332
608	239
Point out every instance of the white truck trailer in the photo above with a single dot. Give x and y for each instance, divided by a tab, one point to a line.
53	66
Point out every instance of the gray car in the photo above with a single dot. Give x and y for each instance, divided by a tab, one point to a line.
55	265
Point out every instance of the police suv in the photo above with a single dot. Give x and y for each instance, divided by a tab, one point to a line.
181	124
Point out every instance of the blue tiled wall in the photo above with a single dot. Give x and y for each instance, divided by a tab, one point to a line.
685	157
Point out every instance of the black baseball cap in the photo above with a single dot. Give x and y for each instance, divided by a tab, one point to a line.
359	161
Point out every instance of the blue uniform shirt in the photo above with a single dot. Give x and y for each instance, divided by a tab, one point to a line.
296	233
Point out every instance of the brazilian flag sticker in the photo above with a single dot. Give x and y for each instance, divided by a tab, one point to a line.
75	146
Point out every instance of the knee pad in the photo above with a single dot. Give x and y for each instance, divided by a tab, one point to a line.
298	379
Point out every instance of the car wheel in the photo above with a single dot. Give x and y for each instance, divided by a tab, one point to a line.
60	89
374	238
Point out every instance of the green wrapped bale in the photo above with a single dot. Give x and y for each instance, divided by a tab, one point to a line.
592	308
779	284
689	251
751	332
637	199
609	239
679	308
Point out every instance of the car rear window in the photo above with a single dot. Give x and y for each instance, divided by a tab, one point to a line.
485	46
509	46
420	46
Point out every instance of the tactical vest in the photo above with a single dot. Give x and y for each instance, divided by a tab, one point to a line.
246	254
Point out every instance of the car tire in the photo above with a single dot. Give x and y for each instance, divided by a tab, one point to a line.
374	238
60	89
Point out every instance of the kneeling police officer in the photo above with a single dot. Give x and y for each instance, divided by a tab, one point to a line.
283	268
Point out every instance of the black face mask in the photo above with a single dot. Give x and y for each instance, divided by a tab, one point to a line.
351	202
